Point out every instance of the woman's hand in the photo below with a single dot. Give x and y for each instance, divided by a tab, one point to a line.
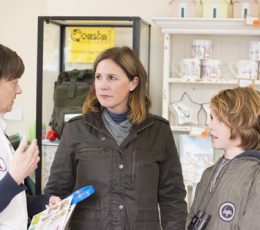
24	161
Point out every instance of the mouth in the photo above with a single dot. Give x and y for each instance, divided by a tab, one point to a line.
104	96
213	137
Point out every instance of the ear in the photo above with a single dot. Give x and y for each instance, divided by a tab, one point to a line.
134	83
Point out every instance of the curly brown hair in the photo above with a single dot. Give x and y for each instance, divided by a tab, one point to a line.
239	109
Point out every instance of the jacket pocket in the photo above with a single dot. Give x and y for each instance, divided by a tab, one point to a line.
93	163
85	218
147	226
90	149
147	220
84	225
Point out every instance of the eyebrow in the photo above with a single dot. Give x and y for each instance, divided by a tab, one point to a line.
113	74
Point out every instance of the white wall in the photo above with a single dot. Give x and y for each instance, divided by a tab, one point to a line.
18	30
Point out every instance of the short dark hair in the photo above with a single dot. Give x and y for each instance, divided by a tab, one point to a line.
11	64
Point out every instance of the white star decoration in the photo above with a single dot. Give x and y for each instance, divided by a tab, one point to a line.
206	108
186	110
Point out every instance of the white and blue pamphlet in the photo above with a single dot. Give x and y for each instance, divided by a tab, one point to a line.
56	217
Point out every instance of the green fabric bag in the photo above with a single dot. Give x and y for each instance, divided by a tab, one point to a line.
70	92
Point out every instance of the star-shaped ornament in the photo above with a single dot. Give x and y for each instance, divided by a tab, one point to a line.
186	110
206	107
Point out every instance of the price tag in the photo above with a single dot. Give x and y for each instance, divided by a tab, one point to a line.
252	21
199	132
246	83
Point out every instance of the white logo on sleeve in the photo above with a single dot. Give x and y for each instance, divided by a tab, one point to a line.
2	165
227	211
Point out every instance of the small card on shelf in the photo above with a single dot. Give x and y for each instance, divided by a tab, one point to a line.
244	82
199	132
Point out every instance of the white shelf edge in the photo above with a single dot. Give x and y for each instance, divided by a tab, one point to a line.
46	142
192	130
225	26
177	128
220	81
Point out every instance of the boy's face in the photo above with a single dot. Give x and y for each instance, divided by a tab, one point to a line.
220	135
8	92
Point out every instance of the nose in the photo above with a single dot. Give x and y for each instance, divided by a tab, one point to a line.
211	127
101	84
18	89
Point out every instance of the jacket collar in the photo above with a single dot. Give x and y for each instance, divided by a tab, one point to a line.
94	119
250	153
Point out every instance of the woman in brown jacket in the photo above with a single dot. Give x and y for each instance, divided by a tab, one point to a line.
126	153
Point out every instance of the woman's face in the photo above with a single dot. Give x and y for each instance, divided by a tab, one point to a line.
8	92
113	86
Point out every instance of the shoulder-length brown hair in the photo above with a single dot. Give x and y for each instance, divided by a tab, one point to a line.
239	109
138	102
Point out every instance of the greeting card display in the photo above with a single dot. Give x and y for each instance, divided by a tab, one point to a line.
196	154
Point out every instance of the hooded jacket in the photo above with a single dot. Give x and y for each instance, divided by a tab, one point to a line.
234	203
130	179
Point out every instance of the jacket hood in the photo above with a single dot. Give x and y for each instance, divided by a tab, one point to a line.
250	153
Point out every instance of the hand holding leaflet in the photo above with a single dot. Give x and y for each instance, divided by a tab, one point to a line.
56	217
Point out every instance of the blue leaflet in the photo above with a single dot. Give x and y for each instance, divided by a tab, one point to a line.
82	194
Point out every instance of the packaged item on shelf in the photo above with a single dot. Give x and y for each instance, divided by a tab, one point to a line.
188	68
215	8
245	68
183	8
243	8
254	50
211	68
49	149
201	49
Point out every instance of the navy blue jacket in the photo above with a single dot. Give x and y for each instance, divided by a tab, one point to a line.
9	189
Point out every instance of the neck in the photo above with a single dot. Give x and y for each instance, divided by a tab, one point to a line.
118	117
233	152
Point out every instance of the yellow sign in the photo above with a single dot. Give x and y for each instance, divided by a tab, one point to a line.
84	44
